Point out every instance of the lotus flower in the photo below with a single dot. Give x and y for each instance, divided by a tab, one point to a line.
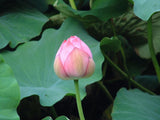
73	59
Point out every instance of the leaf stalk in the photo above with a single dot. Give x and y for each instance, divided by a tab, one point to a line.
73	5
126	76
151	48
78	100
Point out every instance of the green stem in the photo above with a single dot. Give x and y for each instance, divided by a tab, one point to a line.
78	100
73	5
151	48
121	49
141	87
106	91
124	60
115	66
126	76
125	65
104	68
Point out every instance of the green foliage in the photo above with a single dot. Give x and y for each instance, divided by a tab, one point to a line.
47	118
145	8
30	35
110	44
34	71
100	10
135	104
59	118
62	118
9	93
19	24
143	50
134	30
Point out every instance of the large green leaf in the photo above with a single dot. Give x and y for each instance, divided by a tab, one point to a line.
9	93
145	8
136	105
19	22
102	9
32	64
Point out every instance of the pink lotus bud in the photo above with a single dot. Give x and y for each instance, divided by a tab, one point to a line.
73	59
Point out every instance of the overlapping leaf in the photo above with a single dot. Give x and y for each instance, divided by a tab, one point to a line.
102	9
136	105
19	22
135	31
9	93
110	44
145	8
32	64
143	50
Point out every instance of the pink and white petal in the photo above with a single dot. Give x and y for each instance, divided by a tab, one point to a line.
76	63
85	48
75	41
67	48
59	69
90	68
60	48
